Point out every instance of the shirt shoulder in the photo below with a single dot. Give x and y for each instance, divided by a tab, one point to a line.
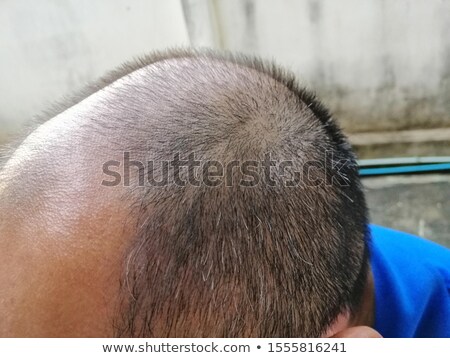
412	284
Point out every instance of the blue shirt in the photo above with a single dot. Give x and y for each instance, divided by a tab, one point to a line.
412	285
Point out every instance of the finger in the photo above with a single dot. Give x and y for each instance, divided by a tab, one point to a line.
358	332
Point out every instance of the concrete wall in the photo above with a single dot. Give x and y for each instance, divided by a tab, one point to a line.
379	64
50	48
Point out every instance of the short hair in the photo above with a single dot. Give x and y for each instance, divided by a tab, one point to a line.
239	260
265	260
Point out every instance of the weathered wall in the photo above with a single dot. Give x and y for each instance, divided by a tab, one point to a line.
379	64
50	48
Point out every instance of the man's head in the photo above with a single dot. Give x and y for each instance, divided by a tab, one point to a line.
276	248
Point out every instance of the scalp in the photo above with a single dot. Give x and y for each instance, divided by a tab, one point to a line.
197	261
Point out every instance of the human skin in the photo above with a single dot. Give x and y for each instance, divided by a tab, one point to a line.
63	236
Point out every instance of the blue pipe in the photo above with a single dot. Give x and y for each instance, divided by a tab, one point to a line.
407	169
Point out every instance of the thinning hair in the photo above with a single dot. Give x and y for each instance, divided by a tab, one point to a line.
267	260
264	260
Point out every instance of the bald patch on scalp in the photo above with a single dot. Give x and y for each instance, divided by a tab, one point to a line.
62	234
